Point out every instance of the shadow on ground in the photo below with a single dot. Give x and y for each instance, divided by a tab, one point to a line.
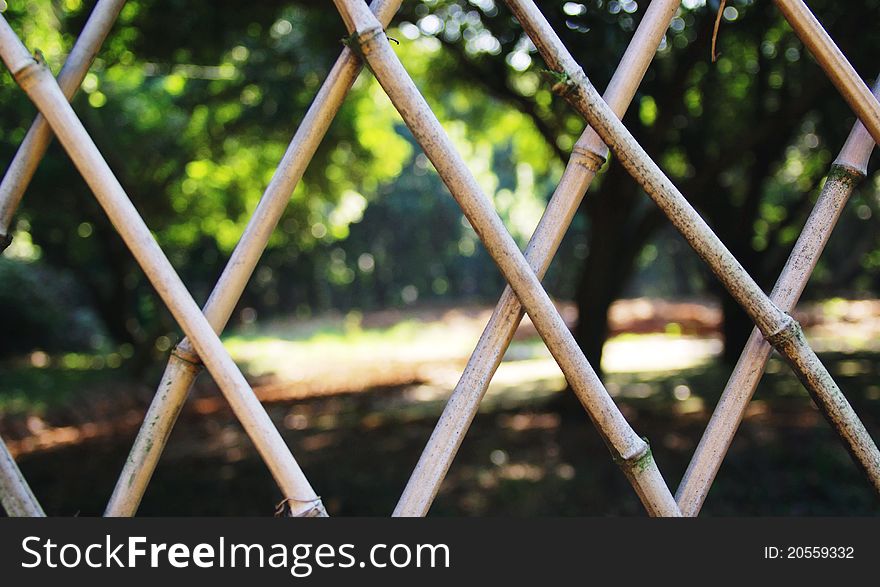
525	455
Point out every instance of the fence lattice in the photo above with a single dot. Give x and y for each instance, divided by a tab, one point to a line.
775	328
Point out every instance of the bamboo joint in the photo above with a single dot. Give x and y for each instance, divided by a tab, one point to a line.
639	459
786	331
564	82
287	508
588	156
362	42
27	72
184	354
841	171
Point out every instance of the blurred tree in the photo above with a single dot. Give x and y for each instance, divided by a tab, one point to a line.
193	104
747	139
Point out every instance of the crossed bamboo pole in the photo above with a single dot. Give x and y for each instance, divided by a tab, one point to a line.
184	364
38	137
780	329
15	495
847	171
631	452
835	64
39	84
588	155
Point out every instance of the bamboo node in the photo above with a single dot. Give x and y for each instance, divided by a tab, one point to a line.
561	82
26	75
187	356
844	172
359	41
638	458
788	331
284	509
646	459
587	157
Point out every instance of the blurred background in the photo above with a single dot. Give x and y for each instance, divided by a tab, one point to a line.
374	288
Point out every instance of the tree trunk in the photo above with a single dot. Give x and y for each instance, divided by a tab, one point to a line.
736	325
735	328
595	294
619	228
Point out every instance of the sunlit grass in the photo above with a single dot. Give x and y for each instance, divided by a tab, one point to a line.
280	349
344	352
275	348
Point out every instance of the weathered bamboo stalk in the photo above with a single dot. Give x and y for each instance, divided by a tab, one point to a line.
836	66
184	364
39	84
780	329
846	172
37	139
587	156
16	496
630	451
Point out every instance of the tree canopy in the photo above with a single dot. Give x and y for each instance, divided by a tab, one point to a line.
193	103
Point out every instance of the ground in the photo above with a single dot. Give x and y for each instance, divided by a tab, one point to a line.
356	398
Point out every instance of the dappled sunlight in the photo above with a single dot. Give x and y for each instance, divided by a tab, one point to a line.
285	353
531	449
422	353
658	352
354	352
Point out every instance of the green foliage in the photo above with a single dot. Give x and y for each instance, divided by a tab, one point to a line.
194	119
193	104
747	139
42	307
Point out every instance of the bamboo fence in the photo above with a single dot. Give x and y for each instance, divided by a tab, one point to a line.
37	81
775	328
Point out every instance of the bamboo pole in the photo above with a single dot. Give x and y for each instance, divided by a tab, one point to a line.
16	496
38	137
781	330
831	59
846	172
587	156
630	451
184	364
37	81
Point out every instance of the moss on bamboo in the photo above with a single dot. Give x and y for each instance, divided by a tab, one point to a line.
352	41
561	82
844	174
642	463
356	40
638	463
